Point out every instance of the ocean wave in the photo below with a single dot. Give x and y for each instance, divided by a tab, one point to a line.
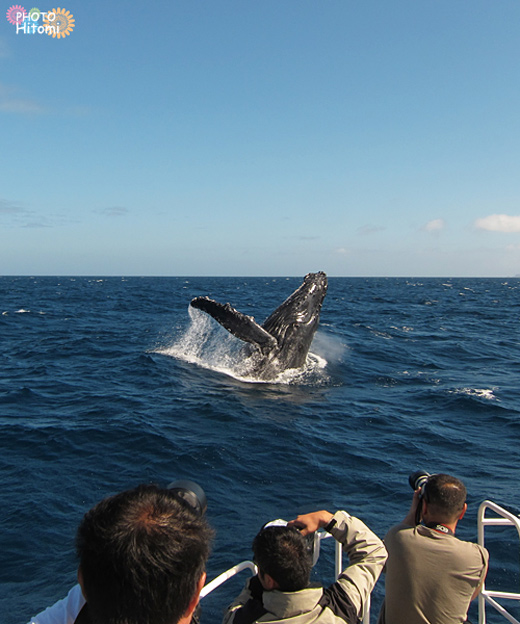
481	393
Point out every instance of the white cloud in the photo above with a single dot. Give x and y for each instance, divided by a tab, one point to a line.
10	208
37	224
4	48
436	225
113	211
11	102
342	251
365	230
14	215
499	223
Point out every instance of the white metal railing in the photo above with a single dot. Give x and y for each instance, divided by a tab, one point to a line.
249	565
222	578
488	596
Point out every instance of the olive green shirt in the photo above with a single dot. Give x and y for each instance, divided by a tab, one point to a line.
430	576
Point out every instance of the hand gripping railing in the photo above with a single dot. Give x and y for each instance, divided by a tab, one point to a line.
249	565
488	596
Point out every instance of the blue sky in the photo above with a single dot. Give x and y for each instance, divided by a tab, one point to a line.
263	137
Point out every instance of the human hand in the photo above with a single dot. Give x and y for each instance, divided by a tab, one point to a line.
411	517
311	522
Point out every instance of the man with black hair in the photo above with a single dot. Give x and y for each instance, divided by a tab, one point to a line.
281	592
142	556
432	576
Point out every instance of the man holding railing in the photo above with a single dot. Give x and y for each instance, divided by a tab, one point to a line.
281	592
431	576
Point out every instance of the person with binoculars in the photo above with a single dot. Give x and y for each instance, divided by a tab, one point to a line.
431	576
142	558
281	592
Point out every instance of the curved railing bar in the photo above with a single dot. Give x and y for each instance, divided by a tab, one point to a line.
249	565
487	596
222	578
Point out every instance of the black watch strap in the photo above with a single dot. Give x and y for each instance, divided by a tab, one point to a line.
328	527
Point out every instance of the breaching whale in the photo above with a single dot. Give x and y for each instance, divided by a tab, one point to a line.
284	339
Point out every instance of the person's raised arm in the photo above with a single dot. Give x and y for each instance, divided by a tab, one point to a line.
411	516
311	522
367	555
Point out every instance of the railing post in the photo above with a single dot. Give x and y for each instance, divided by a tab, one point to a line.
480	540
486	596
338	560
338	565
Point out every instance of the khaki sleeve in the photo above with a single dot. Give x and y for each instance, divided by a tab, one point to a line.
367	556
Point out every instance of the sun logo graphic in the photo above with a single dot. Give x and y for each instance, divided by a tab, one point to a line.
63	22
57	23
16	14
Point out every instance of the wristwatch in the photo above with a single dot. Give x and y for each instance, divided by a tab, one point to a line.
333	522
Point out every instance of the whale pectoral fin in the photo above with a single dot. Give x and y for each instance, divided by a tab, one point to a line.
240	325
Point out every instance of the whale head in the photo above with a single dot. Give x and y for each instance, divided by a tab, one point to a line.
294	323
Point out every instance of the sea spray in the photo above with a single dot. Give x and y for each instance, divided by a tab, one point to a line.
206	344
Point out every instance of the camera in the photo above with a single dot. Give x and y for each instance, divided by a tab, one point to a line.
418	480
312	539
194	497
191	494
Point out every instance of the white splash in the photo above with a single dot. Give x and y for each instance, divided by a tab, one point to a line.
207	345
481	393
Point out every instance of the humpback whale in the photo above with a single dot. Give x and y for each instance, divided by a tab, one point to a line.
284	339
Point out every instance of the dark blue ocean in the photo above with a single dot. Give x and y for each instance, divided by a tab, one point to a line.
109	382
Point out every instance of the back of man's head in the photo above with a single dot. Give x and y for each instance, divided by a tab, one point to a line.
142	554
283	553
445	496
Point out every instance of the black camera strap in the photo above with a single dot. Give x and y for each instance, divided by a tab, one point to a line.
83	616
440	528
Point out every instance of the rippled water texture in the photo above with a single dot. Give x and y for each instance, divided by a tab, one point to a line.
109	382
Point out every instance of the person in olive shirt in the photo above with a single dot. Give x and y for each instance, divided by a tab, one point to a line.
432	576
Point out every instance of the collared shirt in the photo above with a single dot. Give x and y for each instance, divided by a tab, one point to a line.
430	576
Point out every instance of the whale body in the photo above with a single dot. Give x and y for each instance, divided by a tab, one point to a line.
282	342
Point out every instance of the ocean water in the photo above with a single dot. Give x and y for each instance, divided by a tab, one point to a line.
109	382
